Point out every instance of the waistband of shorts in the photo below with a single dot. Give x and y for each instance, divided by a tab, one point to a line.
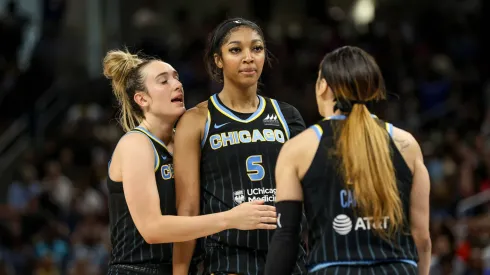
210	242
320	266
147	268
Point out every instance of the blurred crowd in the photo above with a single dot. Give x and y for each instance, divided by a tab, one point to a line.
23	86
436	71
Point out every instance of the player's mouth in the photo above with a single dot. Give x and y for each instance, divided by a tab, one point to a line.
179	99
248	71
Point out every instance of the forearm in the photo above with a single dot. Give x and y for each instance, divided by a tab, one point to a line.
169	229
424	263
283	251
282	254
424	248
183	251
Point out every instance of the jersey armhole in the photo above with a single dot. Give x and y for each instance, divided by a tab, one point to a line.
157	160
283	121
318	131
389	128
206	130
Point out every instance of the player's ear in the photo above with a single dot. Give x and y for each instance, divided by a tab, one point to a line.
218	61
142	99
321	86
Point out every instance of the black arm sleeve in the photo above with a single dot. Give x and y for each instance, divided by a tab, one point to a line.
283	250
293	118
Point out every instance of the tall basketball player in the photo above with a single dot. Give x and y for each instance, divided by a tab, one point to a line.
363	182
227	147
141	180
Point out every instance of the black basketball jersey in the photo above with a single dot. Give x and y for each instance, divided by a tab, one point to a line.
336	234
128	246
238	159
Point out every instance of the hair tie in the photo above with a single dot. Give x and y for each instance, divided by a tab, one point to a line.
346	105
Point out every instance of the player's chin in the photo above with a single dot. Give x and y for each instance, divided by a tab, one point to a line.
247	81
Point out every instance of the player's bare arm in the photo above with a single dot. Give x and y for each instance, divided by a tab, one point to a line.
189	132
419	201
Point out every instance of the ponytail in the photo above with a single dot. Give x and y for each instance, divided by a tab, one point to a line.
368	169
123	68
128	119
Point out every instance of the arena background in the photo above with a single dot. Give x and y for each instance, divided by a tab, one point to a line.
57	127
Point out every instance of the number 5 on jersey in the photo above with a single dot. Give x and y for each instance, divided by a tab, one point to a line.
255	170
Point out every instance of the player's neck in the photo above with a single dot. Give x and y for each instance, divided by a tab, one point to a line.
163	130
328	112
240	100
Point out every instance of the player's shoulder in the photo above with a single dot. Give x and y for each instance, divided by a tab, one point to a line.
284	106
199	110
290	113
132	137
133	140
298	145
298	152
400	135
202	106
195	114
407	145
190	122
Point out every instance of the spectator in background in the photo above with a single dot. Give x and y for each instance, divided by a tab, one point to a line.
46	266
51	247
58	186
22	191
89	246
88	201
443	249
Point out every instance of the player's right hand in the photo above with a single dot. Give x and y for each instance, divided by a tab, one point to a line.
252	215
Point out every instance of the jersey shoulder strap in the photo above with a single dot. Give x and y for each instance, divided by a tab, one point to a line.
277	108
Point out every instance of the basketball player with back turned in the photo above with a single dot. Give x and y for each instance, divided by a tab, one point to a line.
363	182
227	147
141	183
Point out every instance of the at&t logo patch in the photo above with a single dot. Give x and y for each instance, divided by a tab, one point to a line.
342	224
